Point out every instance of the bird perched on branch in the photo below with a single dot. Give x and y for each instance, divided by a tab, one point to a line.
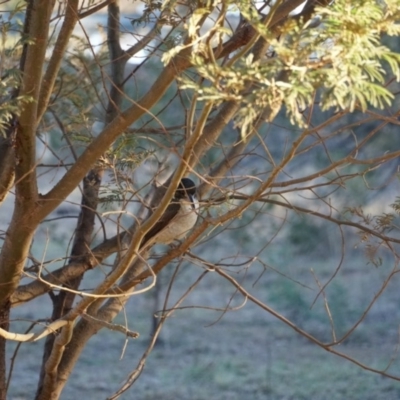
179	217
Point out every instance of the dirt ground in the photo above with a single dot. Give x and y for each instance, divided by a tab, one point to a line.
243	354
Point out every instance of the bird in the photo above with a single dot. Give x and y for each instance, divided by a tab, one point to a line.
178	219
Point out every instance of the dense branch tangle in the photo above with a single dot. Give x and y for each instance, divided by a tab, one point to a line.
90	113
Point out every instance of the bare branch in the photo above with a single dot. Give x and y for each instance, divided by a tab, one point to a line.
301	331
95	9
53	67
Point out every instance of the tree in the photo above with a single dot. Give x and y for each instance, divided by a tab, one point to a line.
282	113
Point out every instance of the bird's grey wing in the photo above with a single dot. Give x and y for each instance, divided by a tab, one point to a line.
166	218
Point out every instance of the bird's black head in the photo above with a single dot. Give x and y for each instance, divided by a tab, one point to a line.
186	188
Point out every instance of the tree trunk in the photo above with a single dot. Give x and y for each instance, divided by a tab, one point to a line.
4	324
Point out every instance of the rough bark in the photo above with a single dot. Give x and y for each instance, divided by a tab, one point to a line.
61	354
7	143
4	324
62	303
50	76
18	239
7	162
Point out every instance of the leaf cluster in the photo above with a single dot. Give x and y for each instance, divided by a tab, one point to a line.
150	10
125	155
342	59
11	103
78	95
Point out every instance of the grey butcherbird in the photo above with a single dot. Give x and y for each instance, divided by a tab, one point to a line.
179	217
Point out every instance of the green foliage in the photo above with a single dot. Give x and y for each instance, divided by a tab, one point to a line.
396	205
123	158
78	91
383	224
11	102
125	155
150	8
342	58
10	105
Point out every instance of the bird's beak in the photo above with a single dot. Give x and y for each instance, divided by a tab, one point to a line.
193	200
